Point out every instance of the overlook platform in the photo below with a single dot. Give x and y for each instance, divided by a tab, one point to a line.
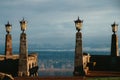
90	75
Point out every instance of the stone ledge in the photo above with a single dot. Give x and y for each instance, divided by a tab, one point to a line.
4	76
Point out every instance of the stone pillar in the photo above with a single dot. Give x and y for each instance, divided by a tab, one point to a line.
8	45
78	64
23	57
114	45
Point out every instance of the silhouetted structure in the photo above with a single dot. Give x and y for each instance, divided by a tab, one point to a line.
107	62
84	63
22	64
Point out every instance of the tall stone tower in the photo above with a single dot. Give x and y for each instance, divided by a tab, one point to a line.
8	41
114	41
23	57
78	68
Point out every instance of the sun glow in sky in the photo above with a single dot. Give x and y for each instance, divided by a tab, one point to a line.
51	22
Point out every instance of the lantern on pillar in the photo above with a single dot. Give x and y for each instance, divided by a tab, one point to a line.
8	27
78	24
114	41
78	64
114	27
23	25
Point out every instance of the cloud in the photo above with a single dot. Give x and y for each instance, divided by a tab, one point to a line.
55	19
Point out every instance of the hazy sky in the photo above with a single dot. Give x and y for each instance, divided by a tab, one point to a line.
51	22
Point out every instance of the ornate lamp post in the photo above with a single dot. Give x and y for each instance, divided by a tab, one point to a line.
114	41
23	57
23	25
8	42
78	64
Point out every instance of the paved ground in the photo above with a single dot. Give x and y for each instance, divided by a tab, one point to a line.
51	78
103	74
90	75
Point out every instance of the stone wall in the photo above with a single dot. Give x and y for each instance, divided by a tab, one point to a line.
10	65
104	63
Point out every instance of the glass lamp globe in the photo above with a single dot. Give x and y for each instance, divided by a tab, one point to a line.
23	25
114	27
8	27
78	24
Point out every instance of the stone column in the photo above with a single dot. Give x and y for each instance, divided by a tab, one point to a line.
78	64
8	45
114	45
23	57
